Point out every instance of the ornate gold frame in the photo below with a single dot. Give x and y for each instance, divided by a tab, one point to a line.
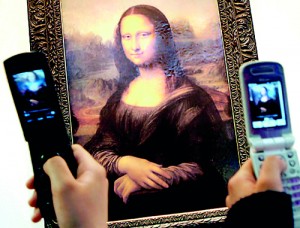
45	31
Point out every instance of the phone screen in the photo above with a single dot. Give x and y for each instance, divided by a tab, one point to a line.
266	105
34	97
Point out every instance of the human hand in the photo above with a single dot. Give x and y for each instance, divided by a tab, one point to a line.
244	183
143	172
80	202
124	186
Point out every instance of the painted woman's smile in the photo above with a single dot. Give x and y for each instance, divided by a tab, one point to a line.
138	39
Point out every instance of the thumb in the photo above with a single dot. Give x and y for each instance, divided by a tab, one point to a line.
58	171
270	174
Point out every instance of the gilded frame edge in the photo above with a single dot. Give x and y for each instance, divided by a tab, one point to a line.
45	34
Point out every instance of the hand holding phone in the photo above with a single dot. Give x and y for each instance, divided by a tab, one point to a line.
268	125
37	105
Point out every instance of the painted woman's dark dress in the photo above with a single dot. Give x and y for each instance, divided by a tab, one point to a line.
184	134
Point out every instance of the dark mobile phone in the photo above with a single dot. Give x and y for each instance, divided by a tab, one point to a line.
37	105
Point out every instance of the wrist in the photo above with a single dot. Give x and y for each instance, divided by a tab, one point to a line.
122	164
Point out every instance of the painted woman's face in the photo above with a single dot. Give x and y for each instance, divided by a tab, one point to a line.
263	91
138	39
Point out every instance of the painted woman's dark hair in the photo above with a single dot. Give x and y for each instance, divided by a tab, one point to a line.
166	50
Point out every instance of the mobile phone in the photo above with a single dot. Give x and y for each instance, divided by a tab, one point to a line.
36	101
267	121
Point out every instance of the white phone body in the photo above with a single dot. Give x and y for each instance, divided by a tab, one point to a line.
267	121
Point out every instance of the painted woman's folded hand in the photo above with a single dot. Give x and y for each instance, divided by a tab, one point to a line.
143	172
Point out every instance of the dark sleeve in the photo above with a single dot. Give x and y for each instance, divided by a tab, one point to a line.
198	133
200	129
264	209
182	172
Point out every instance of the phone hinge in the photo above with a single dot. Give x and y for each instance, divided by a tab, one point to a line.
261	144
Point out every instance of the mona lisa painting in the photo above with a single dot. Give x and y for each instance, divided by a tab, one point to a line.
150	95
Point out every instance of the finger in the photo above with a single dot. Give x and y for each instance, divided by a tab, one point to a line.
119	186
243	176
33	200
155	164
125	195
36	217
161	172
228	201
247	169
125	198
58	171
145	185
270	174
241	184
158	181
83	156
30	183
150	184
116	185
86	162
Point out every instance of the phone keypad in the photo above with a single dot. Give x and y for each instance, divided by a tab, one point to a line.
292	187
291	176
